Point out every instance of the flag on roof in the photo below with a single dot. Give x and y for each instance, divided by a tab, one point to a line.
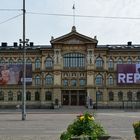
73	6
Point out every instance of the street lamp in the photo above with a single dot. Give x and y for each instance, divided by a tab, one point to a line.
24	42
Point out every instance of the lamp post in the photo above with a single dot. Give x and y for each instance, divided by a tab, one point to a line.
134	100
97	97
24	42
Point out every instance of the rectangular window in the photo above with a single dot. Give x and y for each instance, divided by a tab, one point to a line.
1	96
99	81
65	83
10	96
82	82
74	83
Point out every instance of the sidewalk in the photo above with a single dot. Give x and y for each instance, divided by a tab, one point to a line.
63	110
48	124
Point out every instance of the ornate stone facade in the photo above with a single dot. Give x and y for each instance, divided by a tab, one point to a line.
73	70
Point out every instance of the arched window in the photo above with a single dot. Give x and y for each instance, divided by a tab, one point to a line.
99	95
99	62
110	64
49	63
110	80
19	96
28	96
49	80
129	96
20	61
10	96
1	96
120	61
28	61
37	63
48	96
99	80
74	60
129	61
138	96
37	80
111	96
37	96
138	60
2	61
11	61
120	96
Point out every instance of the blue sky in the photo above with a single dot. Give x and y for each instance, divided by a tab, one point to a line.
40	28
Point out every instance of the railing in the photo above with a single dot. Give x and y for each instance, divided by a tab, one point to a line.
131	104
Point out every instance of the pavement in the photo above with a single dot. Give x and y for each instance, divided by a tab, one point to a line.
48	124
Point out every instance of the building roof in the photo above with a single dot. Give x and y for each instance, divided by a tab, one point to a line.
33	47
73	38
119	46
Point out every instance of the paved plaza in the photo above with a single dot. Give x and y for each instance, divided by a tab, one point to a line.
49	124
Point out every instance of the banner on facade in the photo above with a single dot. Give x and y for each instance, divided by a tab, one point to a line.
128	73
12	74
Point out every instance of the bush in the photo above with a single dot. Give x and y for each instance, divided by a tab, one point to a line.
84	125
136	126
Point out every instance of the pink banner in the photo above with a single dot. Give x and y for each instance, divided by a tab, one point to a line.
128	73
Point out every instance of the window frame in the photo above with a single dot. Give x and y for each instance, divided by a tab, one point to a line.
37	80
48	62
111	96
74	60
1	95
10	96
49	79
37	63
99	80
28	96
99	62
37	96
110	80
48	96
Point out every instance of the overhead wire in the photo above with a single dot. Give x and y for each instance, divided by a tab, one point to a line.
10	10
70	15
84	16
67	15
10	18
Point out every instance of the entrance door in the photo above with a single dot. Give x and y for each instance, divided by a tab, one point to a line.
65	100
73	99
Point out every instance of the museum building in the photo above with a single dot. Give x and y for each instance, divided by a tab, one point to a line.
73	71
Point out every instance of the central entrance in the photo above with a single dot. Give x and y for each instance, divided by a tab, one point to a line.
74	97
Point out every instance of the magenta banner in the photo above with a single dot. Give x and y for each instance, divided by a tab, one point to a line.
128	73
12	74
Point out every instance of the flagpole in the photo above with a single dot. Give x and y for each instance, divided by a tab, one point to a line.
73	14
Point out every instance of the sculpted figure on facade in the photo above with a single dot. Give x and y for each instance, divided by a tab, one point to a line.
90	57
57	57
